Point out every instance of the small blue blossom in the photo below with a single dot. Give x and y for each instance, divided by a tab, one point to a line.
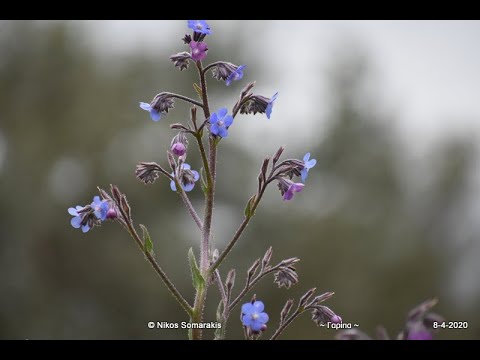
154	114
253	316
100	208
221	121
235	75
76	221
199	26
308	165
188	178
268	110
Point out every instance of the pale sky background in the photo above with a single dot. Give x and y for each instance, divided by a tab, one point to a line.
428	71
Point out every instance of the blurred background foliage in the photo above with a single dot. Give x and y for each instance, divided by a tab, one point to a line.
372	225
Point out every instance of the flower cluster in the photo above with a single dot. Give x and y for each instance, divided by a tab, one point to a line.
86	217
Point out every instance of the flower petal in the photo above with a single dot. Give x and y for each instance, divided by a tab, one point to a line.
247	320
72	211
145	106
306	157
215	129
75	222
268	110
85	228
202	46
304	174
96	200
247	308
172	186
274	97
155	115
213	118
188	187
228	121
288	195
223	132
186	166
263	317
258	305
222	112
256	325
196	175
311	164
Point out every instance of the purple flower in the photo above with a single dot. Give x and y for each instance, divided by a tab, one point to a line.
268	110
420	335
77	218
294	188
308	165
154	114
199	50
253	316
235	75
112	214
187	178
178	149
221	121
199	26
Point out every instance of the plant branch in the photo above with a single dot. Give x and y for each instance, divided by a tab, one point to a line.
168	283
184	98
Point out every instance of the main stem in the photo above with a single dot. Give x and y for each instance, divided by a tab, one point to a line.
201	294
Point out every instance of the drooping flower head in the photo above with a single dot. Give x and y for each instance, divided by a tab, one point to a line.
288	188
235	75
77	221
253	316
308	165
154	114
187	178
258	104
199	26
221	121
269	108
199	50
160	104
86	217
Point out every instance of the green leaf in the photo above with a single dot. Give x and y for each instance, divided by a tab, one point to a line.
198	89
198	280
147	241
249	208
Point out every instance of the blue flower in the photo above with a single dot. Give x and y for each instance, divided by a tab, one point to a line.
100	208
220	122
268	110
199	26
188	178
308	165
154	114
235	75
253	316
77	218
